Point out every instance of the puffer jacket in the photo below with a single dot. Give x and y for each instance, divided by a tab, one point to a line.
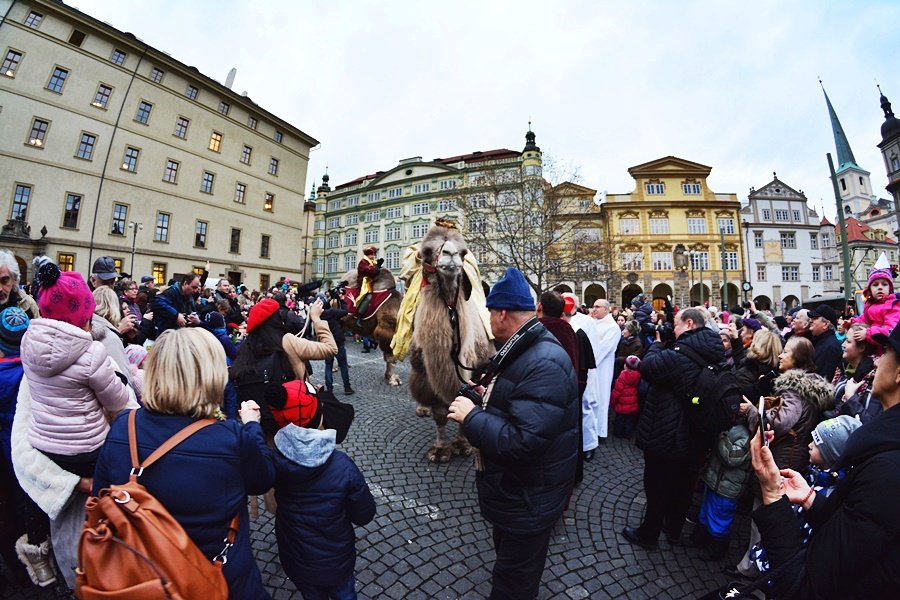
625	393
528	439
663	428
805	397
321	495
728	469
74	388
750	376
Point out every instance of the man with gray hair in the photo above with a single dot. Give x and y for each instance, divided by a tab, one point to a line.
10	294
800	325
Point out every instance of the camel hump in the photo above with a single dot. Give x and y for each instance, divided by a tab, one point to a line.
384	281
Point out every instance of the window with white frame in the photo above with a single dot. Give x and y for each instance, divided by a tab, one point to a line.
725	225
350	238
353	201
334	241
757	239
766	214
318	265
334	204
395	192
421	188
655	189
351	219
790	273
506	198
827	240
816	273
477	201
760	272
730	261
700	260
446	205
334	222
629	226
332	264
421	208
659	226
371	216
419	230
696	225
447	184
781	214
788	239
690	189
392	233
814	241
829	273
476	225
661	261
373	196
394	212
633	261
392	259
349	262
371	236
797	215
320	225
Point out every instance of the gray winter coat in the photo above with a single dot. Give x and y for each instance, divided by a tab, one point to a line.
728	469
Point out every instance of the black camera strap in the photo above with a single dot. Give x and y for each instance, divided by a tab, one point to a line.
520	341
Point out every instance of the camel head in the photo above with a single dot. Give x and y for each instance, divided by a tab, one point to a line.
445	250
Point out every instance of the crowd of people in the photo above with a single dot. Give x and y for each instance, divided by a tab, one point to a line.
89	369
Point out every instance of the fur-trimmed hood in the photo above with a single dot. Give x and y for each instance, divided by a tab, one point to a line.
810	386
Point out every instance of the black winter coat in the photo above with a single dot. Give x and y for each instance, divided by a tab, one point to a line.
663	429
828	354
333	317
528	438
854	551
749	372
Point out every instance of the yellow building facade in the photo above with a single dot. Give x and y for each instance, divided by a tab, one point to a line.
674	237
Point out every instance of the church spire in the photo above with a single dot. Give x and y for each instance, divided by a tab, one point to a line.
845	157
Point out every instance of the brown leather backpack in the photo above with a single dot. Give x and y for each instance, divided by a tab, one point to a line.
131	547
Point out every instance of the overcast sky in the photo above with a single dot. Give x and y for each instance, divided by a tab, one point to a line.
608	85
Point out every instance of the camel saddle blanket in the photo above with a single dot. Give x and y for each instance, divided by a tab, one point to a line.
378	298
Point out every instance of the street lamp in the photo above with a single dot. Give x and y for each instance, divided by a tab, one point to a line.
134	226
699	256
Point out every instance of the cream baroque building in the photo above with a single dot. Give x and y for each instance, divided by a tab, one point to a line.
395	208
676	237
112	147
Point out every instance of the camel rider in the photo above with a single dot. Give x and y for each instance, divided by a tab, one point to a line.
366	272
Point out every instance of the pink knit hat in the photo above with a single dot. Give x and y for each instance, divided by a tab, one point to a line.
64	296
881	274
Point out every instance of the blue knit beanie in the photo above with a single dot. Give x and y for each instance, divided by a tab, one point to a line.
511	292
13	323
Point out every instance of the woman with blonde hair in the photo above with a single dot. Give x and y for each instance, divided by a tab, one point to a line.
759	368
108	327
205	480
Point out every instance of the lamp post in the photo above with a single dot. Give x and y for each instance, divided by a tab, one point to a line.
747	262
691	254
134	226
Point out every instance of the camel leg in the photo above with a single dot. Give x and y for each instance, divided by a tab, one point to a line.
441	452
461	445
389	374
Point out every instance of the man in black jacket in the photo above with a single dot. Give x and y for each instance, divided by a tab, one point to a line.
854	551
829	353
672	451
526	435
335	311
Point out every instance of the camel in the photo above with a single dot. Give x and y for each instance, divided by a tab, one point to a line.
441	354
381	325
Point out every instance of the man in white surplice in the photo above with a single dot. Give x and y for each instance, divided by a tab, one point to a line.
595	402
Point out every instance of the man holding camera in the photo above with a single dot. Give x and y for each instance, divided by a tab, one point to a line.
672	450
526	433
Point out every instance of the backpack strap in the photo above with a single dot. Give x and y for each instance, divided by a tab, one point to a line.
137	468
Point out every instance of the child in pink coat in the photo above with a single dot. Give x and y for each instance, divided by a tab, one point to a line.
882	309
75	390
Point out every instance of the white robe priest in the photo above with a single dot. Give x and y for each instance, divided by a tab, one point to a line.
595	403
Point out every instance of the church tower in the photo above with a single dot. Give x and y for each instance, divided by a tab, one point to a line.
890	150
854	184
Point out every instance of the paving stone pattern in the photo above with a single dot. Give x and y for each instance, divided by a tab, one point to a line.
428	539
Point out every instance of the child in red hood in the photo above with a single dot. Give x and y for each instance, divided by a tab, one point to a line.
624	398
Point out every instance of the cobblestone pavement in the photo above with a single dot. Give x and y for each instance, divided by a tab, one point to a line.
428	539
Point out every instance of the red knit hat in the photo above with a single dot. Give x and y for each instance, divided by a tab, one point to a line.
299	405
261	312
569	305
